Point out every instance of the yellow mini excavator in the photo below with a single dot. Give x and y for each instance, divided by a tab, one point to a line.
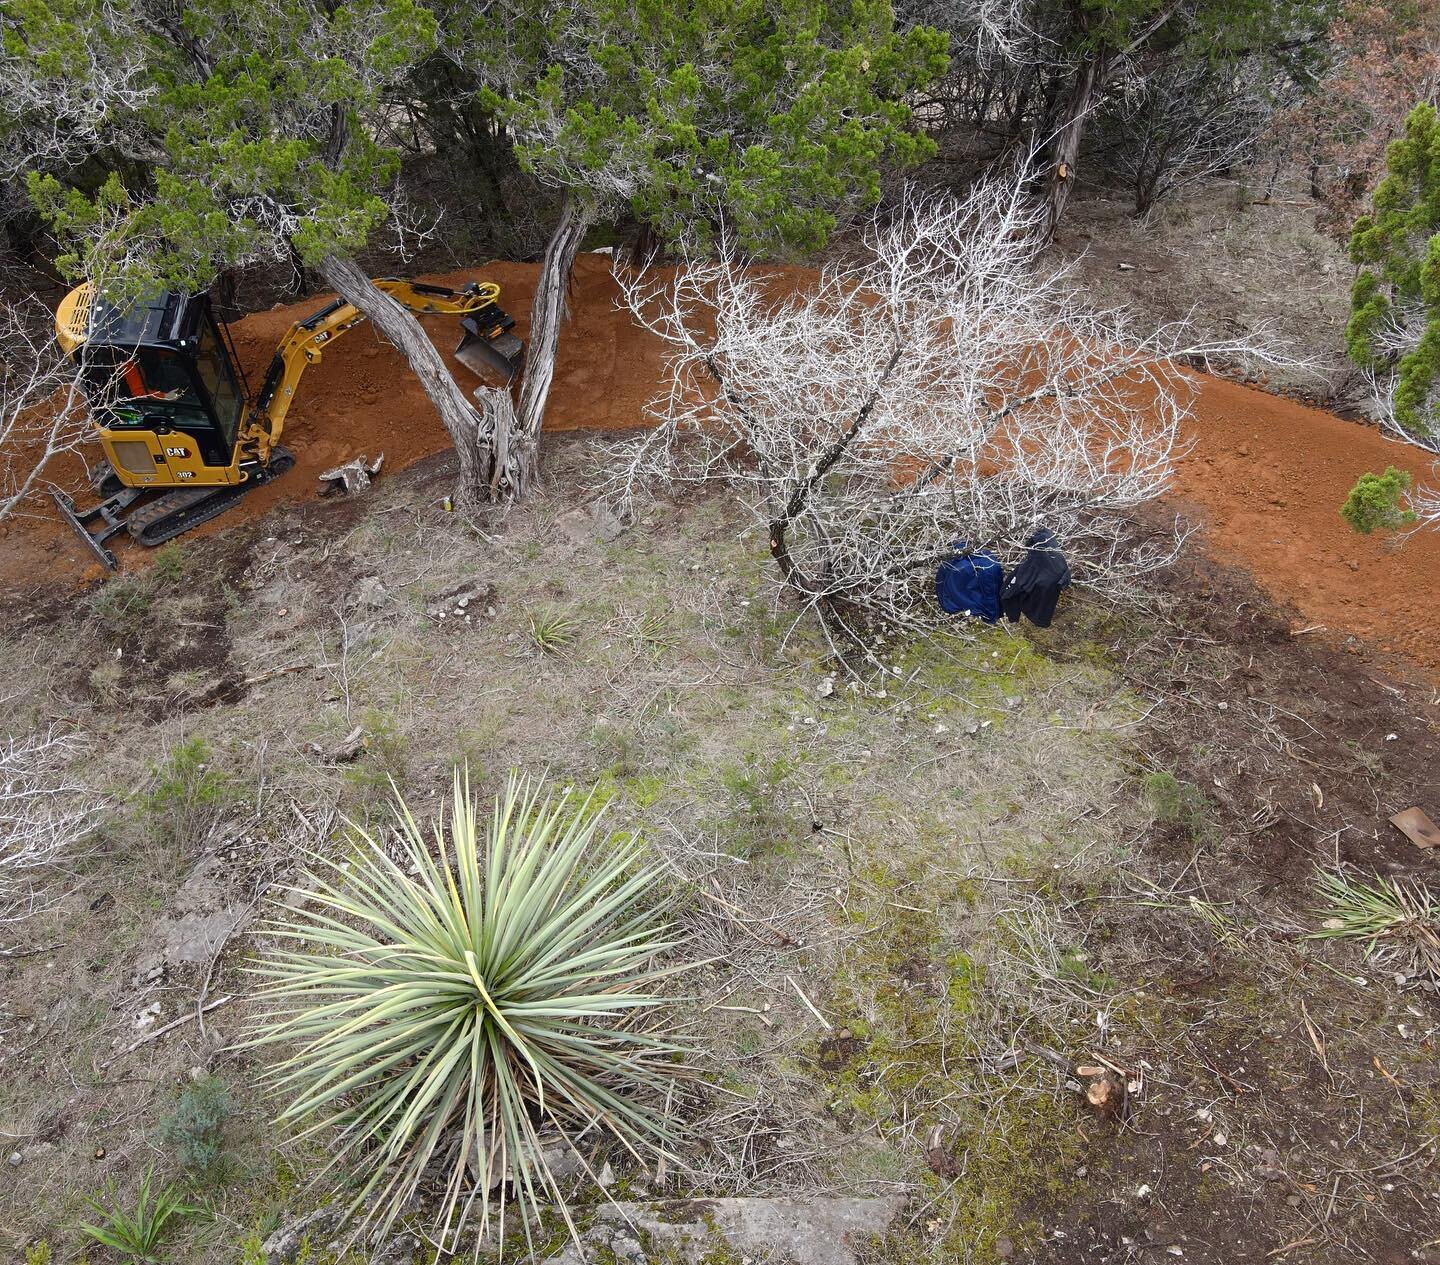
182	438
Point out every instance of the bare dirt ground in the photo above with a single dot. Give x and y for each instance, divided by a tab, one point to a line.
1266	477
1016	847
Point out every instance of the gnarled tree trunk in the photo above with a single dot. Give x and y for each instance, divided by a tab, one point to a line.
495	439
1089	82
548	310
479	434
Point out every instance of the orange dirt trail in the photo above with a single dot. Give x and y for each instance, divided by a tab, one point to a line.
1266	476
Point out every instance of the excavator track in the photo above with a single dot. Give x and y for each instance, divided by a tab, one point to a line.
176	512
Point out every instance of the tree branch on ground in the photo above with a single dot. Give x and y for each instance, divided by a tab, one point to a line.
45	812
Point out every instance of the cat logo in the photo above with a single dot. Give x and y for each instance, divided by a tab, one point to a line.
177	452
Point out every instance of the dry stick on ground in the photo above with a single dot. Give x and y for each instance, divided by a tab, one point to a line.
169	1027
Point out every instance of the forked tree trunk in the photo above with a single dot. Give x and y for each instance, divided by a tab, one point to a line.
495	439
479	434
548	310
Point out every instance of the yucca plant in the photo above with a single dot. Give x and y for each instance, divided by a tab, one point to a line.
553	631
138	1233
459	1002
653	633
1398	921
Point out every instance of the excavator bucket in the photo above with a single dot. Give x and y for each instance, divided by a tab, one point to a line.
488	348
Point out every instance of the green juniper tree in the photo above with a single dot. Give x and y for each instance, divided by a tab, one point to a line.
1377	501
774	117
1394	328
250	131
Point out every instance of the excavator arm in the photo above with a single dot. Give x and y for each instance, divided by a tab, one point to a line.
487	343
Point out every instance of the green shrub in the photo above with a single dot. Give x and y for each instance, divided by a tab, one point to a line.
1177	803
169	565
385	762
187	796
1376	500
120	606
138	1233
1394	327
447	1001
195	1133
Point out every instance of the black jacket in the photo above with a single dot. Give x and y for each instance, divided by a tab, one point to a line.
1033	588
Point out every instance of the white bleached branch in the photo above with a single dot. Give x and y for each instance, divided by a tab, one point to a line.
45	811
948	387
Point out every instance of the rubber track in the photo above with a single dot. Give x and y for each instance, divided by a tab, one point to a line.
177	512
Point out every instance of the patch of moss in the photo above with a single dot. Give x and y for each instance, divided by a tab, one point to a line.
1021	1152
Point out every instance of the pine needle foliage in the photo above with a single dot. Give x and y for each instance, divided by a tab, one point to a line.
452	1004
1377	502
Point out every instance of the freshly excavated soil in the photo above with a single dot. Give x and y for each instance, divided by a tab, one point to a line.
1266	476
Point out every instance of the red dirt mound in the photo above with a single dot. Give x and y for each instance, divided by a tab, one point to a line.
1267	476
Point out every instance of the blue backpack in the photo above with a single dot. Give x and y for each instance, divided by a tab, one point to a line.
969	584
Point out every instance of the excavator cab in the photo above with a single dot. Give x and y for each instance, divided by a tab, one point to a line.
163	388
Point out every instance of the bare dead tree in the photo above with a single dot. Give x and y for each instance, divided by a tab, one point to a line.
1426	501
42	411
1177	123
948	388
45	812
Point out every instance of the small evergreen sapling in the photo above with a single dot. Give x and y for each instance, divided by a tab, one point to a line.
1377	500
195	1132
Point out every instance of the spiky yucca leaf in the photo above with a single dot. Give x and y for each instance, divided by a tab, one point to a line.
450	1006
553	631
1398	921
138	1234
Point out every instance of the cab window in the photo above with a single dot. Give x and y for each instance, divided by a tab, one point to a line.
214	372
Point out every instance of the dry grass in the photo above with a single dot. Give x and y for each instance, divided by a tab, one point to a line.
913	896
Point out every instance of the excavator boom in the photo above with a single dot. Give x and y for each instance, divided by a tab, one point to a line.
487	346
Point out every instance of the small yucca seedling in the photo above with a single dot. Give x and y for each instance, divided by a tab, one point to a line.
654	633
138	1234
1398	921
553	631
458	1004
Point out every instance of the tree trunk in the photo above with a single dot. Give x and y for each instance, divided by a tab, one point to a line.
547	315
644	249
1065	151
479	435
299	281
